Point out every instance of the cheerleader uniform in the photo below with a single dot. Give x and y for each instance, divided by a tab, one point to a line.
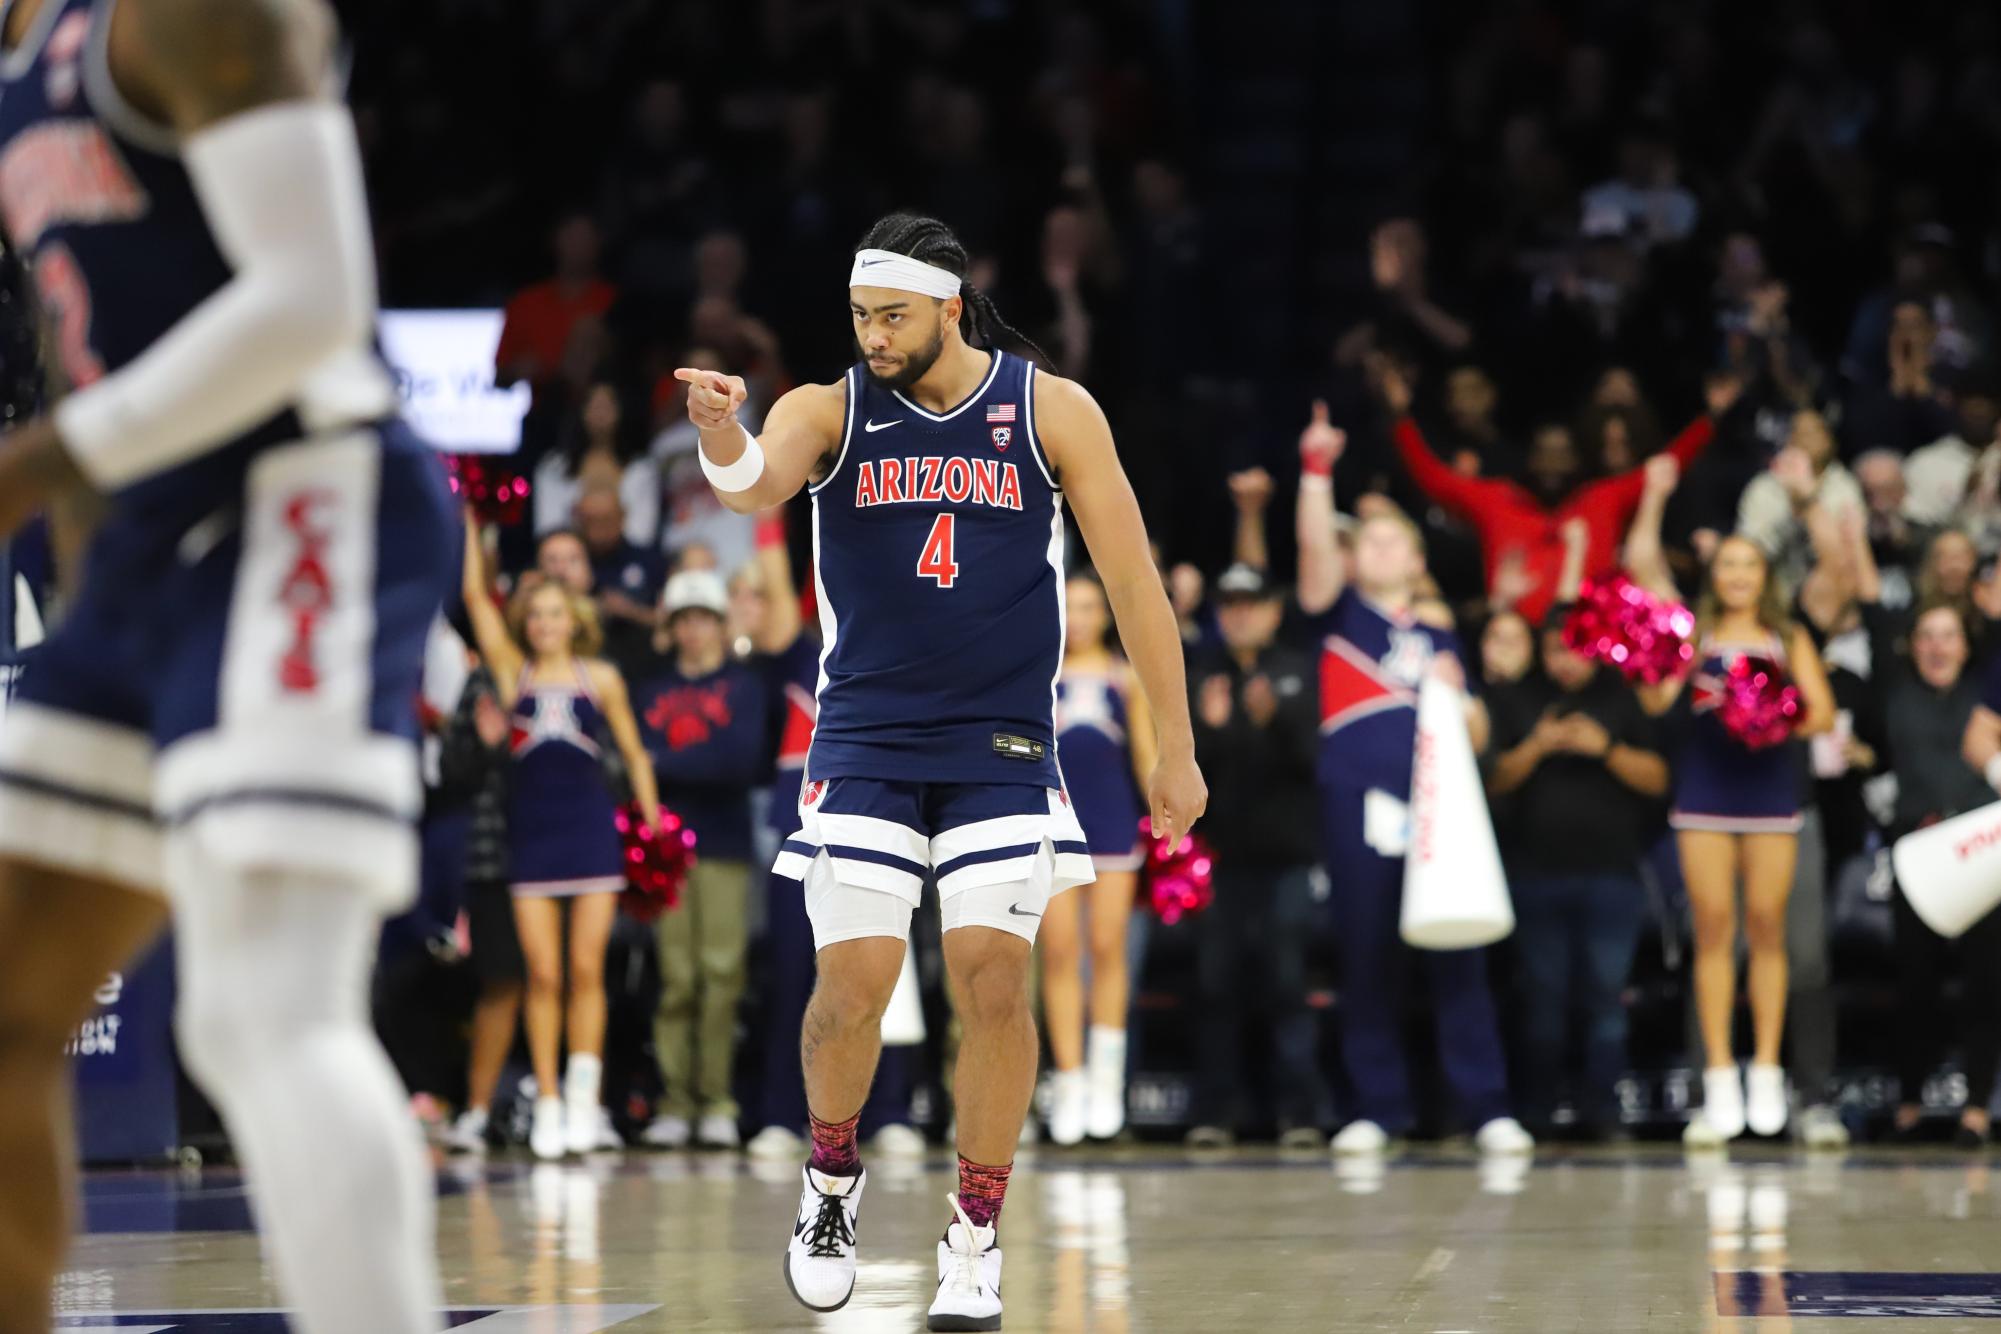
1096	754
1372	661
561	838
1721	785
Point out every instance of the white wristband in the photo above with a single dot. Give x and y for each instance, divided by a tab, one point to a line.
741	475
1993	773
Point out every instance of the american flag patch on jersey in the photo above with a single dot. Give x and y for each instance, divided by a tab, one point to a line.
1000	412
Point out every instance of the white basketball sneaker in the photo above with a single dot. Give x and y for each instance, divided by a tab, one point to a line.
547	1139
1765	1105
1723	1101
820	1258
1360	1137
1069	1107
969	1277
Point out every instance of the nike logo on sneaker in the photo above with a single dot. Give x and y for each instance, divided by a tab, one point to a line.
1015	909
874	426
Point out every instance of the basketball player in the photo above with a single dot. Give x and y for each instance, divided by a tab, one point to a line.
226	710
938	466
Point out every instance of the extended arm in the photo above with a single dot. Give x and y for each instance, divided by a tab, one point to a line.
1079	443
1816	696
1251	490
781	600
1320	573
489	628
610	687
272	155
1140	732
752	473
1645	563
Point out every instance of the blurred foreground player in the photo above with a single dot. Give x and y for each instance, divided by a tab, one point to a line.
227	711
938	467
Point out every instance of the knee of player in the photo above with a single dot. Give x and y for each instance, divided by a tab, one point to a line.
992	987
855	996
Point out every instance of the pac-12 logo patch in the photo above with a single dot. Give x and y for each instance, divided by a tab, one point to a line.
811	795
1003	437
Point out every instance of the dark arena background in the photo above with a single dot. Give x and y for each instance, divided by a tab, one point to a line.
1468	266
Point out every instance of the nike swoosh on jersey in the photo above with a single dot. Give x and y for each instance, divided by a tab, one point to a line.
1015	909
881	426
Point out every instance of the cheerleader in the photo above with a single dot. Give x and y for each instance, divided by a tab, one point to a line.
1104	737
1736	813
563	845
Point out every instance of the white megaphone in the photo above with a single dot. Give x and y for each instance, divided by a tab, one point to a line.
1951	871
1454	894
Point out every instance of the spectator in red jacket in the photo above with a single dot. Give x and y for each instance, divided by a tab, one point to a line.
1521	523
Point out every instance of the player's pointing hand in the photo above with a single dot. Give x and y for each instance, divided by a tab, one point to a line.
713	397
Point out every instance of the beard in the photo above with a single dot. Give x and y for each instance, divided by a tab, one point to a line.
914	366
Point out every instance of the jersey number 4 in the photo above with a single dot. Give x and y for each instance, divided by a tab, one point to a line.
936	561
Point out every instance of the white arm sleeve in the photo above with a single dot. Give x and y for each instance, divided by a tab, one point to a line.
281	187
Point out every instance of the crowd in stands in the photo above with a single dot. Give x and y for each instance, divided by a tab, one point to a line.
1698	294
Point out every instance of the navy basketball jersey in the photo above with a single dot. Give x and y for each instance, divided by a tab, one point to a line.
95	198
938	559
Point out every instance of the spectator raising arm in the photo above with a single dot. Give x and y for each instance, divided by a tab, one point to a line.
1251	490
1320	569
1576	541
782	620
1624	490
1473	499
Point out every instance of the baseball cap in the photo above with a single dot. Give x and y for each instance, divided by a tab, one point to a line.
1242	581
695	590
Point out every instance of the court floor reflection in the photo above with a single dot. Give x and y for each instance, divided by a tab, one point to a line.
1137	1240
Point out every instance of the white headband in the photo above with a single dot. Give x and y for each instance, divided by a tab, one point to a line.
886	268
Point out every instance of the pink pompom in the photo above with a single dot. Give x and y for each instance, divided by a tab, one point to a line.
1646	637
1760	707
657	861
493	493
1180	879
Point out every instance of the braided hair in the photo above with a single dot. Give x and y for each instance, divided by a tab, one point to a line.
932	242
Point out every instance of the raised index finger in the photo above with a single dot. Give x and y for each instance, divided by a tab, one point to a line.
706	379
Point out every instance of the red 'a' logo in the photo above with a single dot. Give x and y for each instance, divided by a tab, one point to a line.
306	594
